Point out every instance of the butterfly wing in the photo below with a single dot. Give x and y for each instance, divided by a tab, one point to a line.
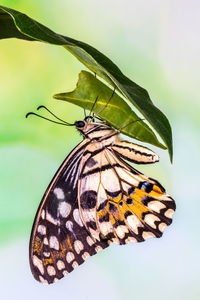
119	203
59	240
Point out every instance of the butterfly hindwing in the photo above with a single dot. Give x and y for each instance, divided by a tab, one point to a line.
124	205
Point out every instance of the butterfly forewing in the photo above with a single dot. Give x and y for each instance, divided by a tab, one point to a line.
59	240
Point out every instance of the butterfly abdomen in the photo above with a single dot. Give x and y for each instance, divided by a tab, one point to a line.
135	153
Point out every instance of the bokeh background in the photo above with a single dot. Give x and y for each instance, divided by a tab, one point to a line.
156	44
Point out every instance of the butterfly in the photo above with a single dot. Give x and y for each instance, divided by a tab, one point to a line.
96	199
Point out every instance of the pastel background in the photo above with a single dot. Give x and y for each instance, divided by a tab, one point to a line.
156	44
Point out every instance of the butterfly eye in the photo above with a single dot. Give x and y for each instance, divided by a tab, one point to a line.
79	124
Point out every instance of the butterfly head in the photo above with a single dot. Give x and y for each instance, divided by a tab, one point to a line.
80	124
90	128
83	125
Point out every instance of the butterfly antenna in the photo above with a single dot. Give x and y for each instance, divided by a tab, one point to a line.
42	117
34	114
42	106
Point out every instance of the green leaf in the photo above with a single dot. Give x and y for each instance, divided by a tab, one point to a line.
16	24
117	112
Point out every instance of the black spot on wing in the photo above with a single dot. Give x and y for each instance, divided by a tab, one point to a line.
52	205
91	162
129	201
147	186
112	207
105	218
91	224
113	194
145	200
88	200
109	236
51	229
63	232
131	190
69	195
127	213
118	222
102	206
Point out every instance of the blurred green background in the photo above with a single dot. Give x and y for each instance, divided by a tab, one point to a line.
156	44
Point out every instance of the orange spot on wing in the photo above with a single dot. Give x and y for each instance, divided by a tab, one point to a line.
156	192
37	245
47	261
69	243
156	189
138	208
